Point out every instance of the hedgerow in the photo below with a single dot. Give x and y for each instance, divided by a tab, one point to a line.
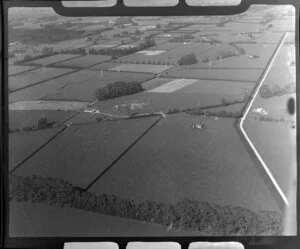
186	214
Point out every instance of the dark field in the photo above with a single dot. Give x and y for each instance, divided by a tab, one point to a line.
281	156
21	145
171	173
215	74
35	76
84	150
79	86
13	69
53	59
83	61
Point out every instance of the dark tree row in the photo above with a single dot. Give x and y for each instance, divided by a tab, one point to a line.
186	214
117	89
188	59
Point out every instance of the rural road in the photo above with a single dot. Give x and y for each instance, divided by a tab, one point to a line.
254	95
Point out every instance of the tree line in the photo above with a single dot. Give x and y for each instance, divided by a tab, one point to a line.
267	91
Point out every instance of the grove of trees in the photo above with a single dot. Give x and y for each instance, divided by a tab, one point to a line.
188	59
117	89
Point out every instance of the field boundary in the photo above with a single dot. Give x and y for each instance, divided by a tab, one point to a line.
37	150
247	109
31	69
44	81
122	154
40	65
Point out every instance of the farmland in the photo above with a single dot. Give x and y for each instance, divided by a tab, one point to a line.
43	221
22	145
281	156
21	119
168	57
138	122
80	86
18	69
52	59
140	68
216	74
34	77
201	93
187	170
99	146
83	61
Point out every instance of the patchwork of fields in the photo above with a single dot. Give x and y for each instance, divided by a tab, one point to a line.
94	147
80	86
34	77
171	132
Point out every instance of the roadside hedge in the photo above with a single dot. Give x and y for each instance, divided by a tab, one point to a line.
186	214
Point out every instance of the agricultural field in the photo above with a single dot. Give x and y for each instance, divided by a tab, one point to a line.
83	61
198	26
166	46
244	27
140	68
283	70
269	38
276	107
79	146
167	57
281	156
13	69
215	74
70	44
242	61
168	173
228	108
222	36
23	144
41	220
153	83
102	46
78	86
20	119
202	93
290	38
35	76
52	59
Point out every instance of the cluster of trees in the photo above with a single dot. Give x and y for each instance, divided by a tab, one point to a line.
117	89
42	124
270	119
188	59
267	91
209	113
118	52
186	214
244	98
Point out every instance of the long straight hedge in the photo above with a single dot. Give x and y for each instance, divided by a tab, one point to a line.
186	214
